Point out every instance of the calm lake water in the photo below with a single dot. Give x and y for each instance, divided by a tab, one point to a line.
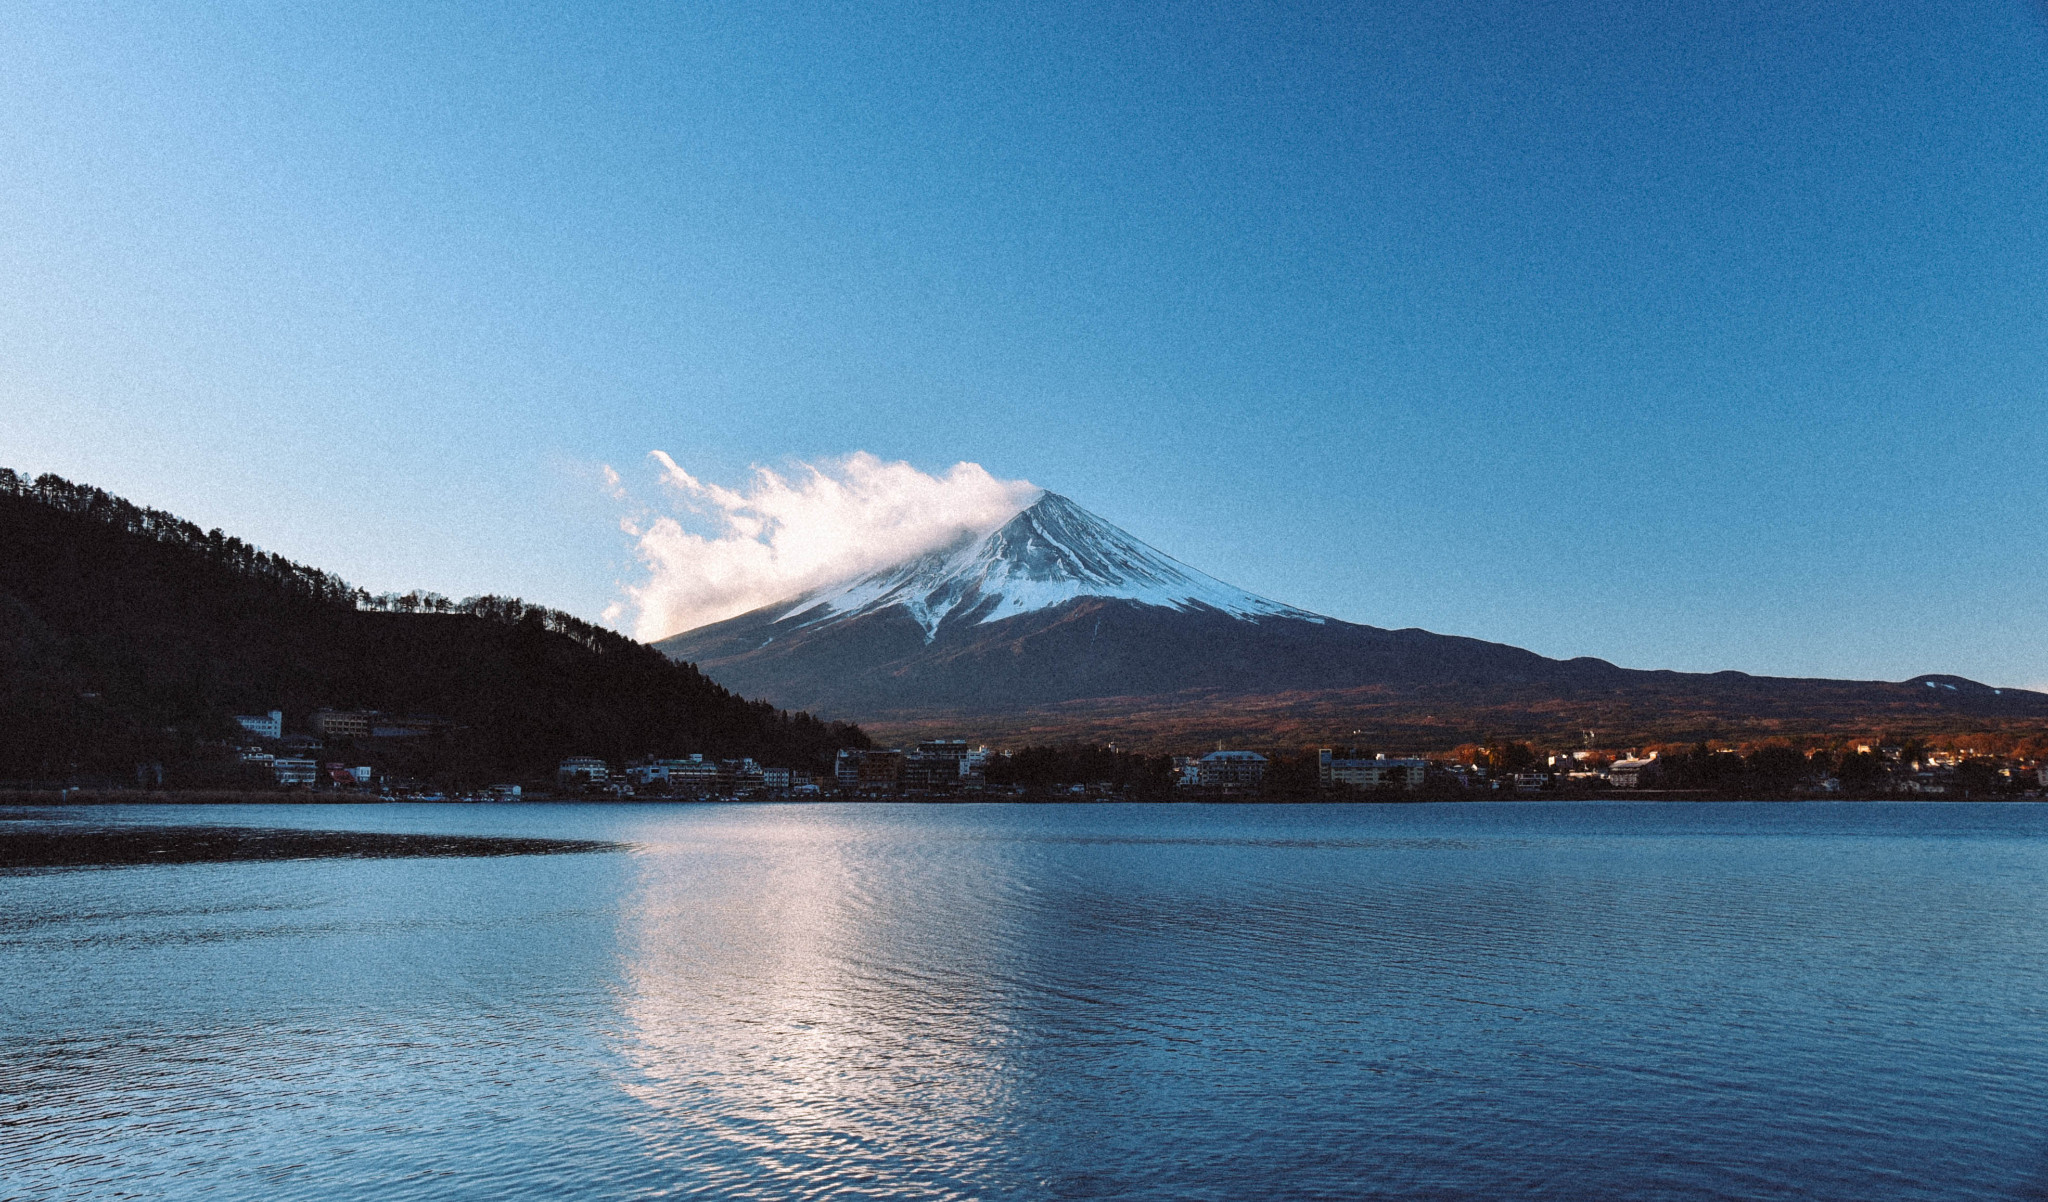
1574	1001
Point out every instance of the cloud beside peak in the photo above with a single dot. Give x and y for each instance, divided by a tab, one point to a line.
784	533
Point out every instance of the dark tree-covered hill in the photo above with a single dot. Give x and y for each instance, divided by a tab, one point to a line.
128	635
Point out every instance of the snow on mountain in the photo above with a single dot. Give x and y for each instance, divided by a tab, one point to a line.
1051	553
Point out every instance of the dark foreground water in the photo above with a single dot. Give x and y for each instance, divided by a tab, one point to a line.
1495	1001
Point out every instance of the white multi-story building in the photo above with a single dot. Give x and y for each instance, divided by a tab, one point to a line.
974	768
269	726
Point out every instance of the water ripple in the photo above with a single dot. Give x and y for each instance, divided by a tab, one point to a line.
1050	1002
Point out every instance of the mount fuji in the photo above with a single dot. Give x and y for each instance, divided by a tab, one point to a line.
1052	553
1059	625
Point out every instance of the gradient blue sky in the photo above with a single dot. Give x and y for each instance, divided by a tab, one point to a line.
1693	335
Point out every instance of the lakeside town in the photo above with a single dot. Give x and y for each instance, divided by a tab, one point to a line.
351	753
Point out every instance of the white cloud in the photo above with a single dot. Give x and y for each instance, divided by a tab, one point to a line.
783	534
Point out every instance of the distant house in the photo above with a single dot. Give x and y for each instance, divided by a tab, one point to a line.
1236	769
269	726
583	769
1635	774
290	770
1333	770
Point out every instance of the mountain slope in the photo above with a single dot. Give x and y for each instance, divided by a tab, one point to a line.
127	635
1059	624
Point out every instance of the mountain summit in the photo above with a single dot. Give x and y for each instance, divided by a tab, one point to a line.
1052	553
1059	625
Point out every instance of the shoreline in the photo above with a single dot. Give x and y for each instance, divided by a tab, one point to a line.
59	798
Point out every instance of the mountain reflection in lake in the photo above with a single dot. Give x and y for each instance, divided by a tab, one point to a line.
1570	1001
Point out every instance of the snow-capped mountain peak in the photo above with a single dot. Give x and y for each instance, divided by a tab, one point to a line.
1052	552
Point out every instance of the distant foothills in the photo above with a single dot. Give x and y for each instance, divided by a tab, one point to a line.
138	650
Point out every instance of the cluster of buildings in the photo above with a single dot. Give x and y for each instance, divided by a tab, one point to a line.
942	767
1867	769
935	765
347	724
292	760
689	776
1227	773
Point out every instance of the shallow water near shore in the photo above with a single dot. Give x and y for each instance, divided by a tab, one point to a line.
1554	1000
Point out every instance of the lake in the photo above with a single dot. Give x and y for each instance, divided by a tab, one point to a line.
1542	1000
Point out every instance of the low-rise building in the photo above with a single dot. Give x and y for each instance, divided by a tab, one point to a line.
942	764
692	772
857	769
1634	773
268	726
1358	772
341	724
291	770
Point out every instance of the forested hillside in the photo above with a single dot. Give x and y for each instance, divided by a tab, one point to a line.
128	635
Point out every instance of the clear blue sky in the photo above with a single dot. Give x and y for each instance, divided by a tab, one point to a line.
1699	335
